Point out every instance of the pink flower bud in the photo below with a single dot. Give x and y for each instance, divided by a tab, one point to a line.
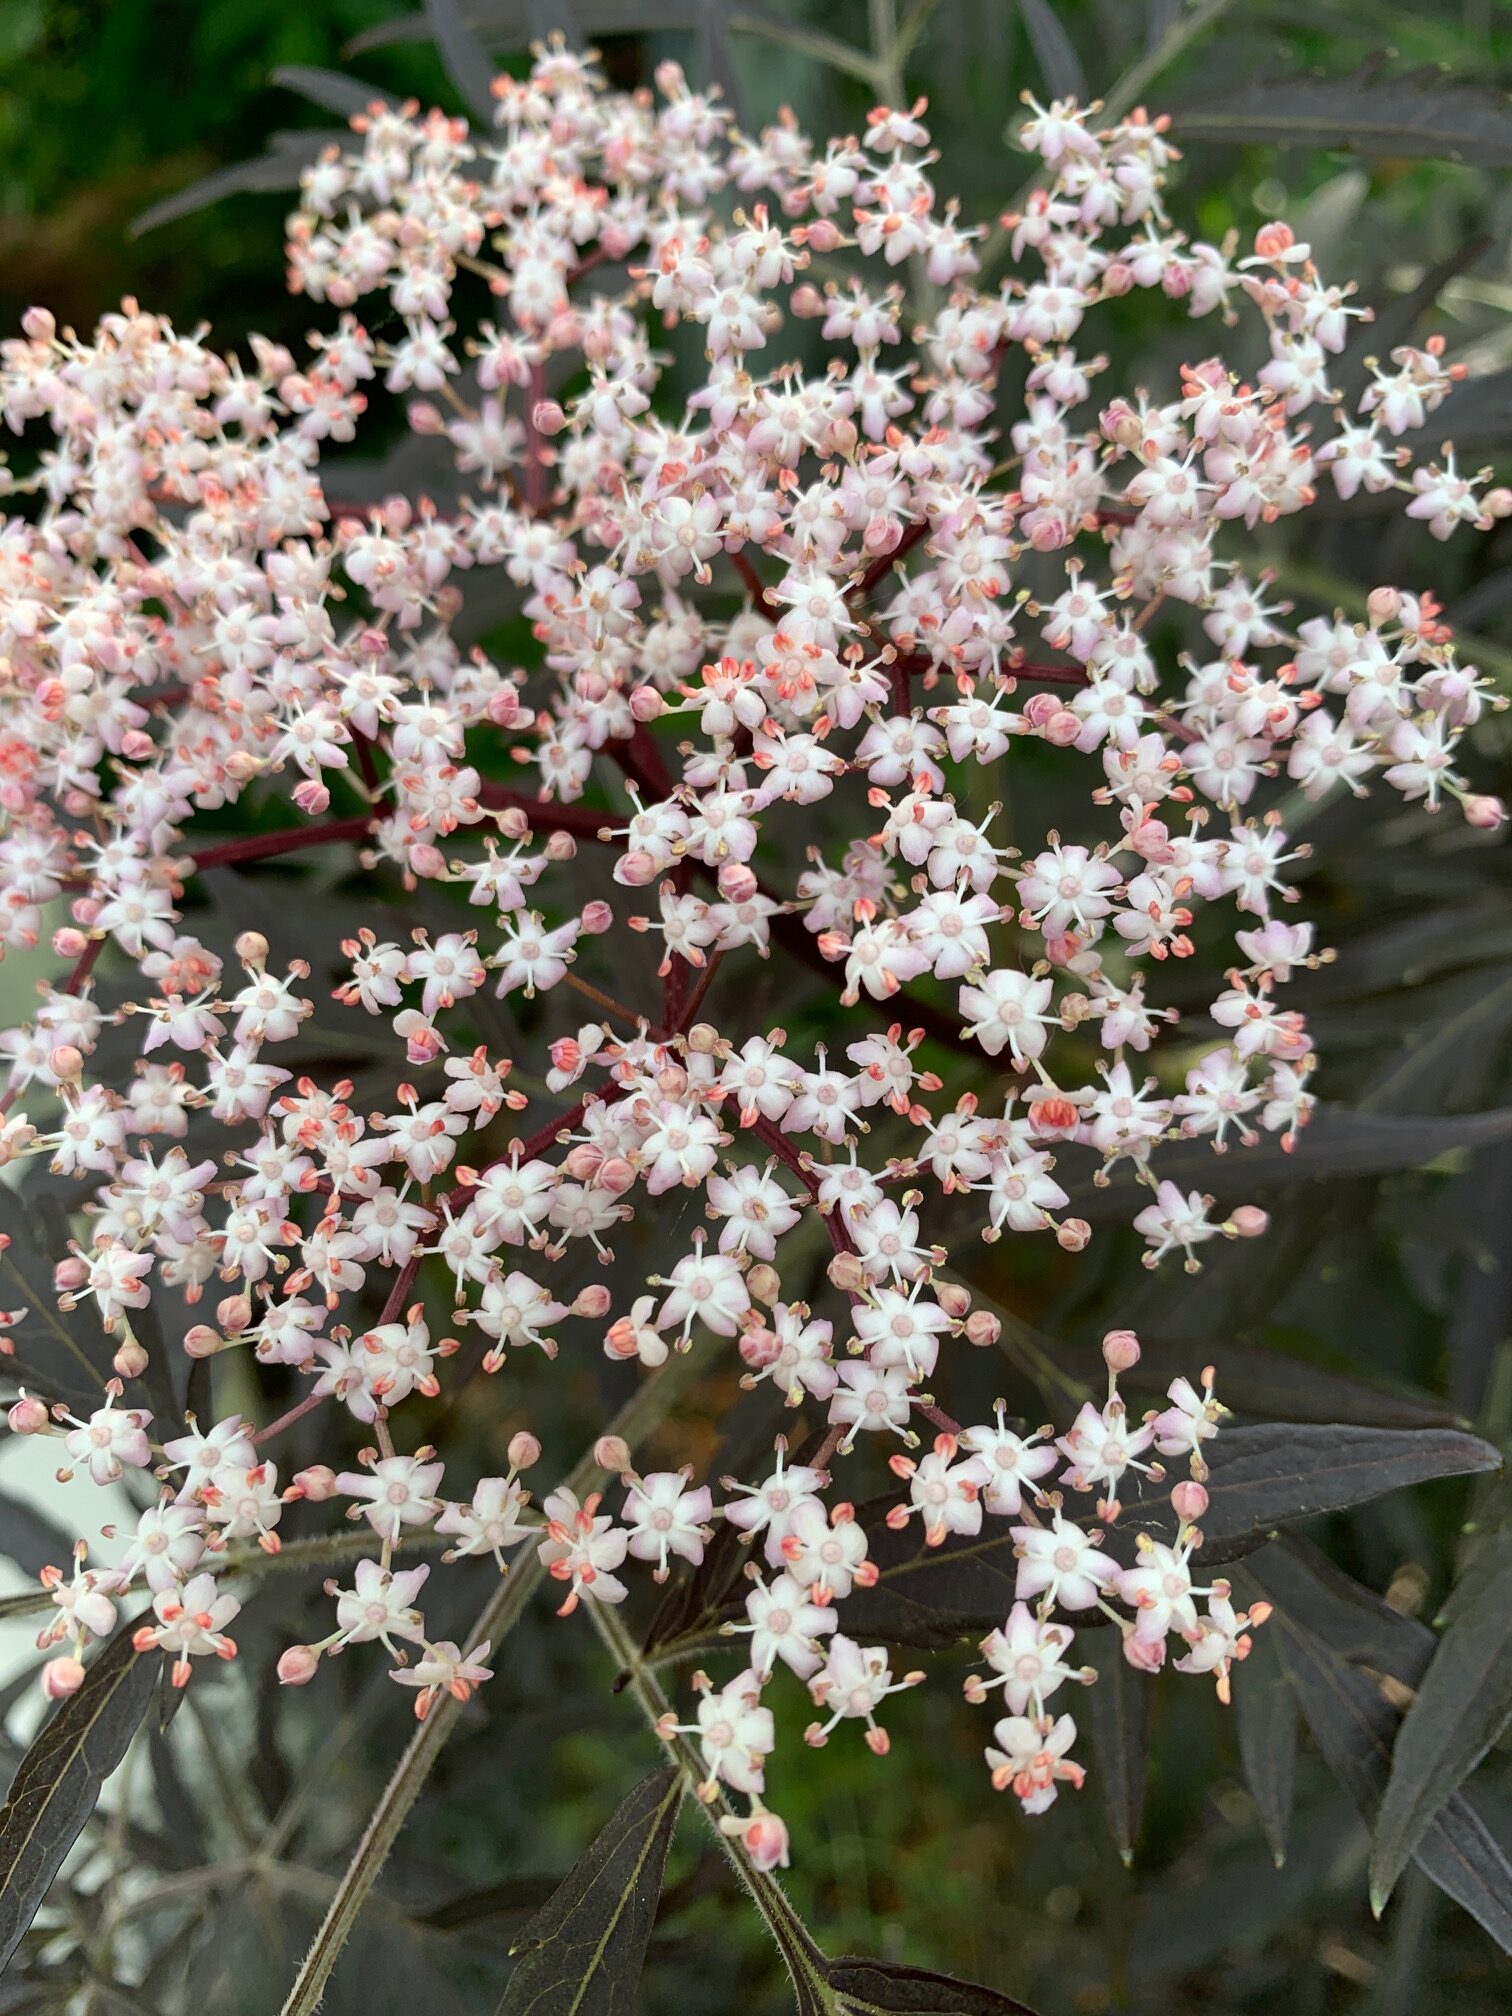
737	882
547	417
1189	1500
69	943
130	1361
1120	1349
1249	1221
1040	709
636	868
85	910
806	302
759	1347
616	1175
823	235
298	1666
426	418
69	1276
317	1484
233	1313
137	746
312	797
953	1299
612	1452
503	708
1497	503
593	1301
765	1840
1145	1655
847	1273
764	1283
62	1677
513	823
1118	277
580	1164
427	860
65	1063
1483	812
703	1039
1072	1234
38	325
646	704
252	949
982	1329
1383	605
200	1341
524	1450
27	1416
1062	728
597	918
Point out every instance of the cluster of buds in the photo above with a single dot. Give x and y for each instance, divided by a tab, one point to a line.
809	595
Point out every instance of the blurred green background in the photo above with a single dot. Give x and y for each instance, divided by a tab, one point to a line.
1394	1283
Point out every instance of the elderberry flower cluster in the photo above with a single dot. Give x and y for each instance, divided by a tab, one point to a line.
800	602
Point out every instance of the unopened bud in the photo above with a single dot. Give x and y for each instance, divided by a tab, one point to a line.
426	418
1383	605
597	918
69	1276
27	1416
1483	811
312	797
592	1302
953	1299
759	1347
233	1313
547	417
513	823
561	846
612	1452
1120	1349
737	882
1189	1499
69	942
703	1039
252	948
524	1450
62	1677
130	1361
847	1273
318	1483
1072	1234
615	1174
636	868
764	1283
65	1062
646	704
200	1341
1497	503
38	325
1249	1221
823	235
806	302
982	1328
298	1666
1062	728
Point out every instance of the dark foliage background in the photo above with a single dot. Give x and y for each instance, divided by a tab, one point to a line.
1381	1299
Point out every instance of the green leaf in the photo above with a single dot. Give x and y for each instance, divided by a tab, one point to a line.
1461	1708
55	1790
1119	1714
1266	1716
582	1953
1421	112
1354	1726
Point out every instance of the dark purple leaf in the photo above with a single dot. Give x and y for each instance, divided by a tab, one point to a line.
1421	112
